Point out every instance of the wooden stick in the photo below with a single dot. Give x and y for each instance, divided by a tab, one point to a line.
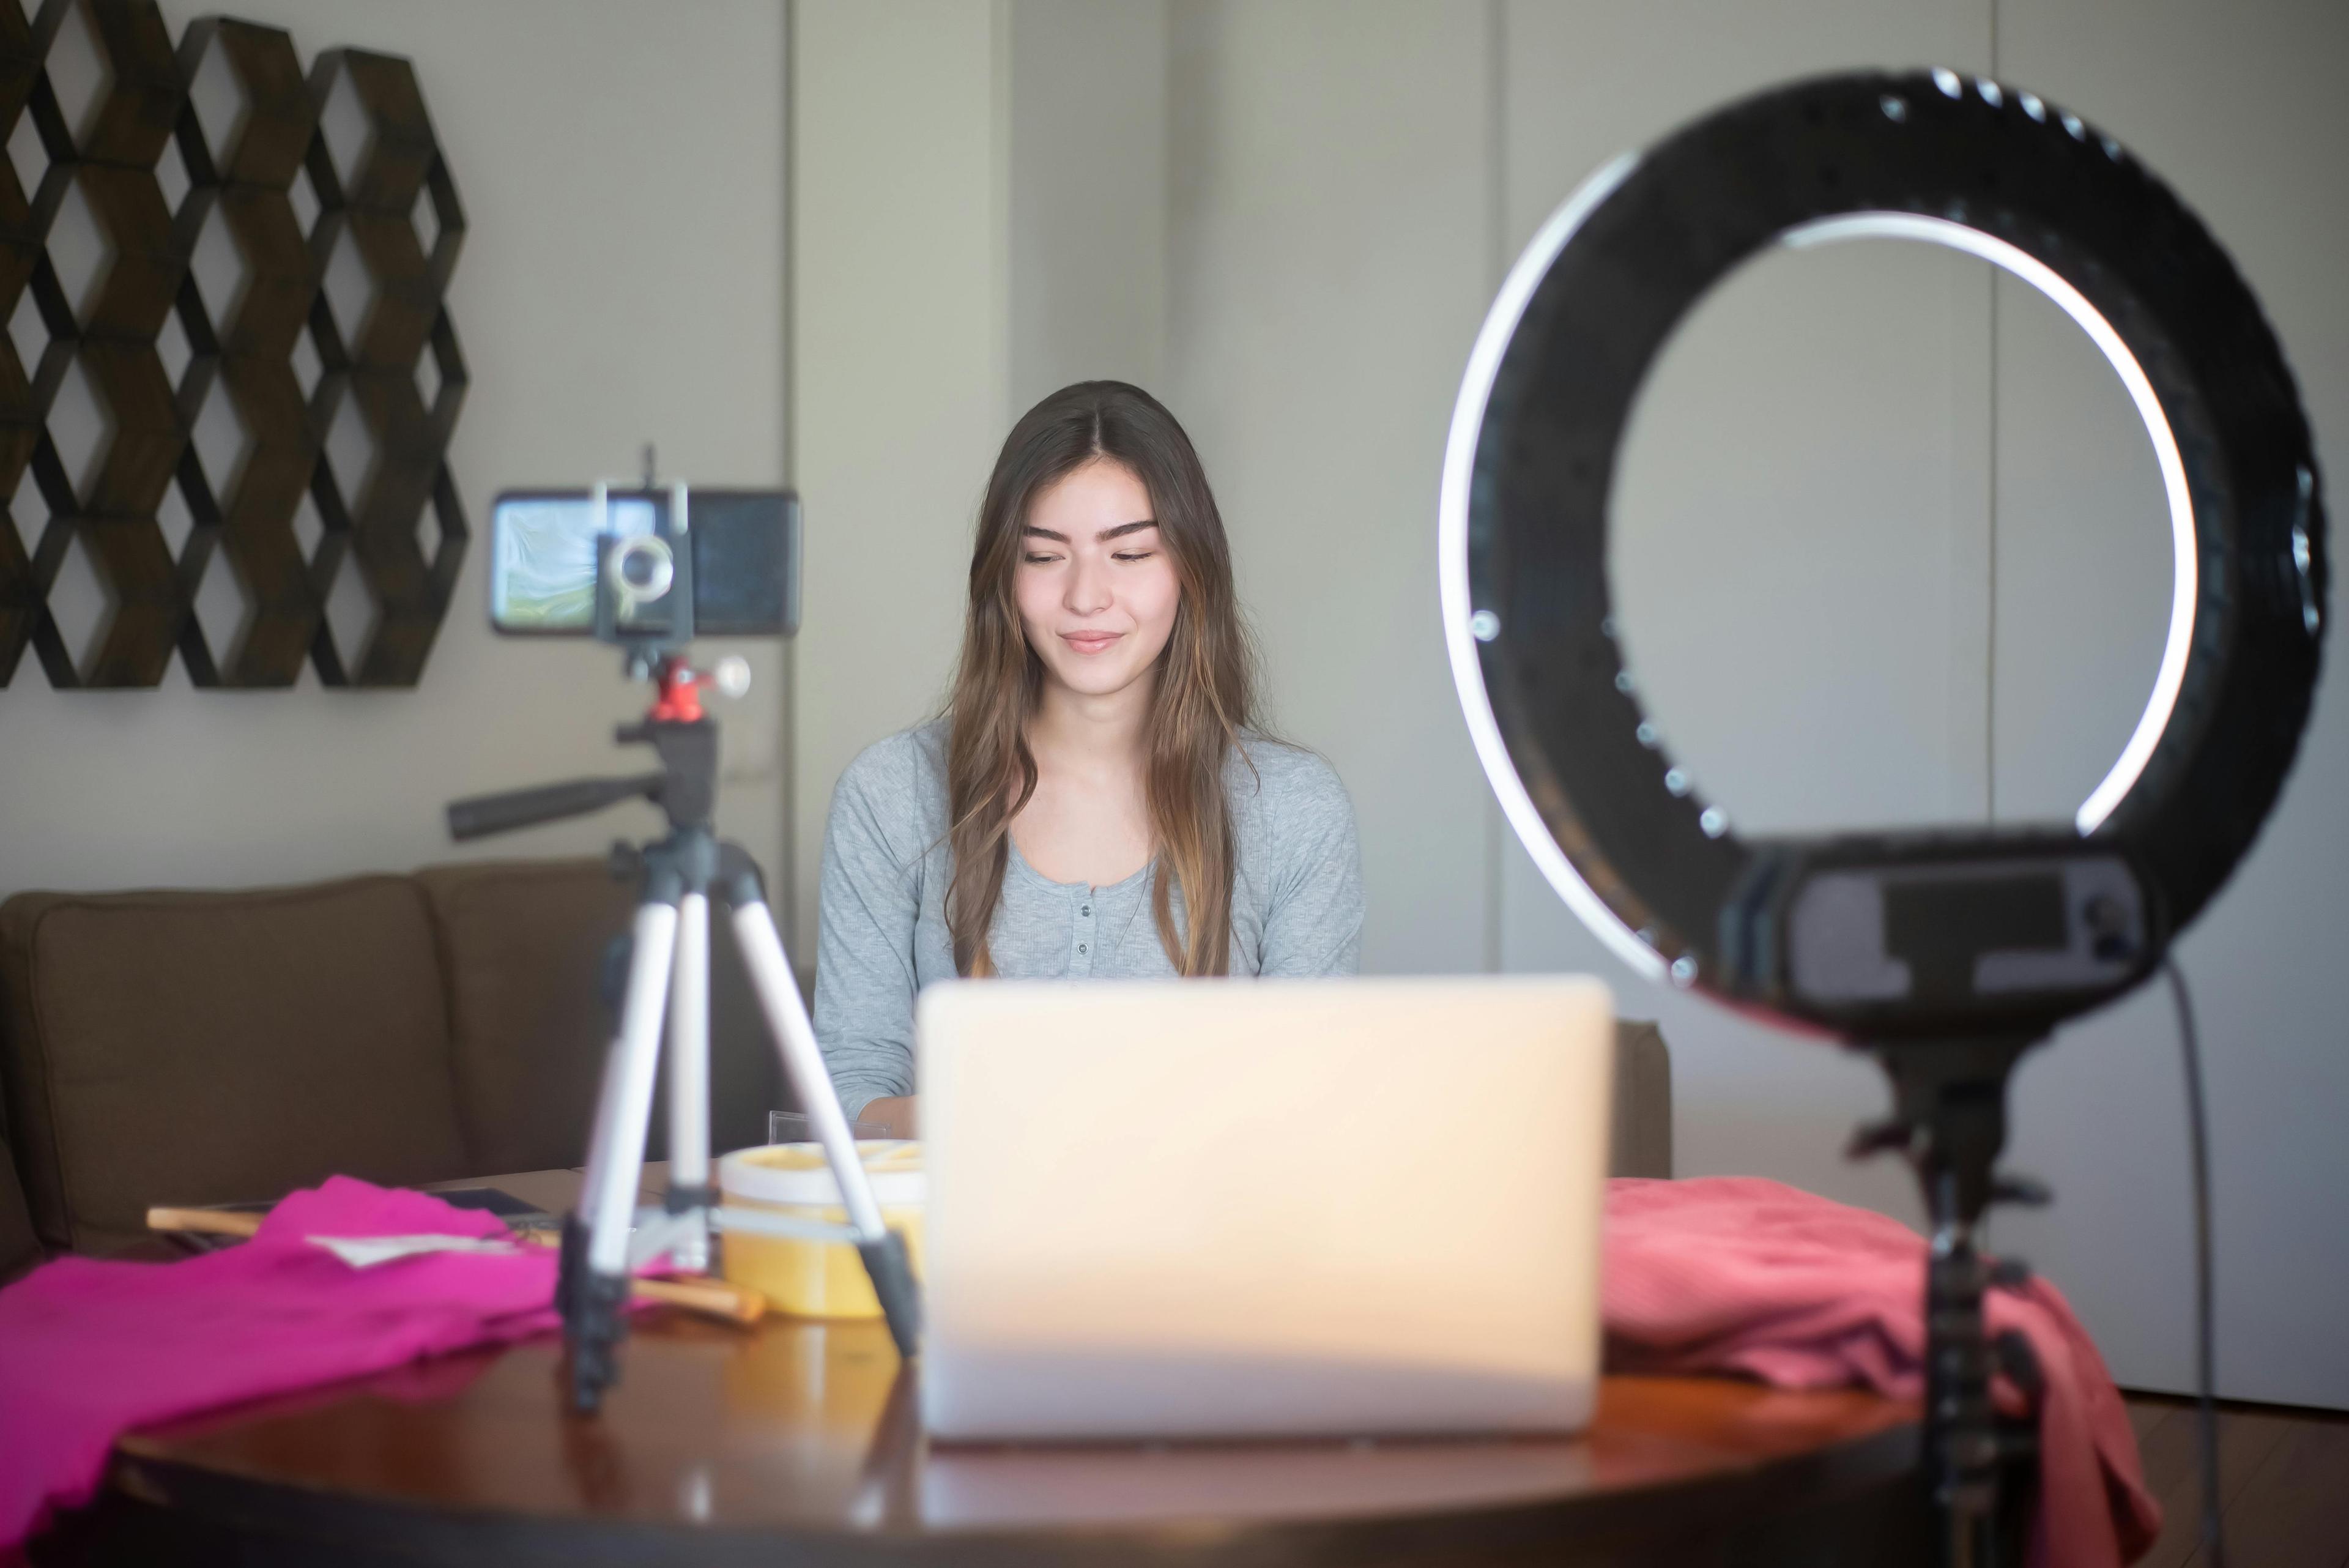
696	1292
204	1222
713	1298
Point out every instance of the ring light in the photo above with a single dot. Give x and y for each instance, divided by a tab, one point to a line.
1951	952
1625	835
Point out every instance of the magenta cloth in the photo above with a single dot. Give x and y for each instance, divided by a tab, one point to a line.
1738	1275
90	1349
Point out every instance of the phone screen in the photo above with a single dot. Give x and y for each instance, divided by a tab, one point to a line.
542	559
745	547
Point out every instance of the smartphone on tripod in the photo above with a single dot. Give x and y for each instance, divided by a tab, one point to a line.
731	557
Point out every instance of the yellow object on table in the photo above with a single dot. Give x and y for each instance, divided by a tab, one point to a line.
817	1279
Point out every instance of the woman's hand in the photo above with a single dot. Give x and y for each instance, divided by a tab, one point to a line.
895	1112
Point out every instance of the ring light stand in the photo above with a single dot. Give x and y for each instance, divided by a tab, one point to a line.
1946	954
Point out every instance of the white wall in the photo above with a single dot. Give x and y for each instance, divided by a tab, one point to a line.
1086	174
2238	108
980	217
621	281
1884	554
1809	452
1330	265
899	362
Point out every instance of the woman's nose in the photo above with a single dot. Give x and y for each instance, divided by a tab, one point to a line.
1089	592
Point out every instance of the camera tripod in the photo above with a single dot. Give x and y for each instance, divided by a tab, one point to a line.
606	1235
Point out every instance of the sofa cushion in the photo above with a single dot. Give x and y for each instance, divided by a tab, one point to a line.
522	947
201	1047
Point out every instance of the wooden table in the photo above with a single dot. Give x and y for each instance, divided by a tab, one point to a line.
797	1442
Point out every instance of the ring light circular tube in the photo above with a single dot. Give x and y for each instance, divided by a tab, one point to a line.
2131	762
1623	833
1451	528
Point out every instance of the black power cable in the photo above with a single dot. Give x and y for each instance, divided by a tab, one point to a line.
2214	1540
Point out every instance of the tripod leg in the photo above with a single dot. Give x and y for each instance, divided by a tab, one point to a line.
596	1312
571	1277
795	1033
608	1088
689	1194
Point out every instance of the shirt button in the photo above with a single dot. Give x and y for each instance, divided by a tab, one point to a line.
1086	910
1080	947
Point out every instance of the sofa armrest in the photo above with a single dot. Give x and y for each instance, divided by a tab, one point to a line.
1643	1127
19	1248
197	1048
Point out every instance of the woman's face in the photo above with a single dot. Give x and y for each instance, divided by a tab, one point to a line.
1097	595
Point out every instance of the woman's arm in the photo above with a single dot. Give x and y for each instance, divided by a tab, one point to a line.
894	1113
869	895
1313	924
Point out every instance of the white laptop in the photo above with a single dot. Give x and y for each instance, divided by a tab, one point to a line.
1196	1209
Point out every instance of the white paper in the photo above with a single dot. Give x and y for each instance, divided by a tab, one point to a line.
366	1251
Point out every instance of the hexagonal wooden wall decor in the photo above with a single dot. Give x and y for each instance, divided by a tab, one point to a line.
228	379
254	447
21	593
383	340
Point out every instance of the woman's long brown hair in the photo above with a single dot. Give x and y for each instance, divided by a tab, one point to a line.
1203	695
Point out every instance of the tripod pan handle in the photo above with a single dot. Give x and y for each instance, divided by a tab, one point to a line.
483	814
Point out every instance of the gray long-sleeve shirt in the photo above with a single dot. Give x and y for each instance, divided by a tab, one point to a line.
1297	899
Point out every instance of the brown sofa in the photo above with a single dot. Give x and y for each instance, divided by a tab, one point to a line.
196	1047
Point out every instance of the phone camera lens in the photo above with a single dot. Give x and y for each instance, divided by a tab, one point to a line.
640	569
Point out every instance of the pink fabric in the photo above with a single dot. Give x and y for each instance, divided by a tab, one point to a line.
1739	1275
90	1349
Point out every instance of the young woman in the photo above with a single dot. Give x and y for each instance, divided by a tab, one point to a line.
1095	801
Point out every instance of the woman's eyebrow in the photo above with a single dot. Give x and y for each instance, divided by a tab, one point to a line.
1104	537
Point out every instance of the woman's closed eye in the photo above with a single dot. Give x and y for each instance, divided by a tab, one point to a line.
1040	558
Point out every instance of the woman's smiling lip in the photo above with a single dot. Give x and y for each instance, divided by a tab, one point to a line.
1091	641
